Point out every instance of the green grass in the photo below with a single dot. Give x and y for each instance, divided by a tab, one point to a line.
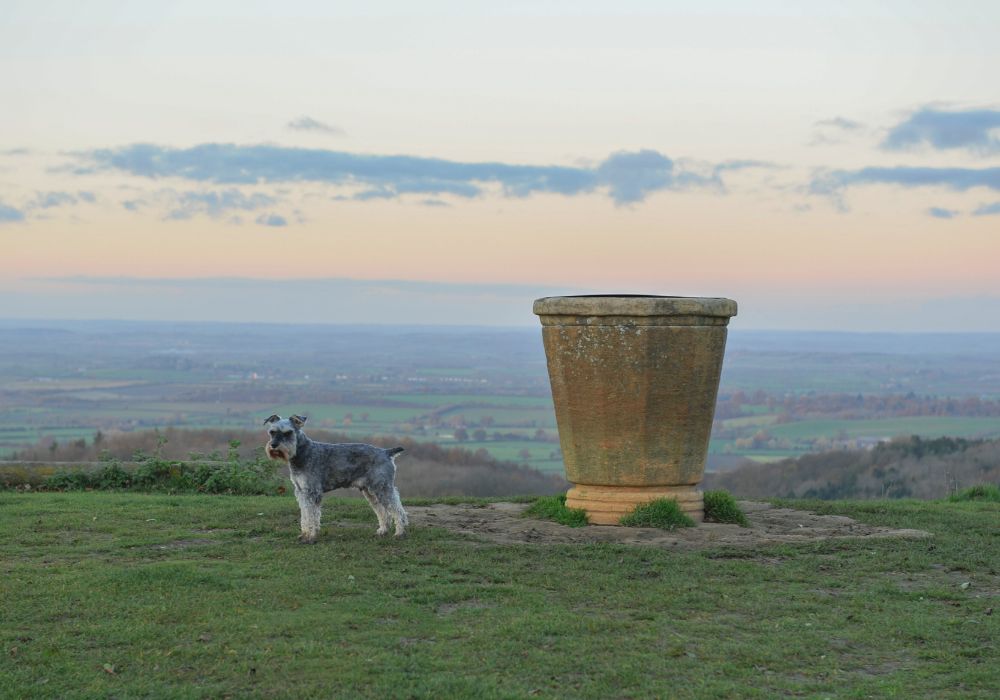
721	507
983	492
127	595
554	508
663	513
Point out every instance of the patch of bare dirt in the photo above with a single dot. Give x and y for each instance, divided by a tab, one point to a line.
503	523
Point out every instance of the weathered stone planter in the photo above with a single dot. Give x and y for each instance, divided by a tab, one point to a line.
634	381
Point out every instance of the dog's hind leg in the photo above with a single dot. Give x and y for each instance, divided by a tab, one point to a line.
398	514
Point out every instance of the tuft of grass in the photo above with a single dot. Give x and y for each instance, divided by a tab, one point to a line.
554	508
982	492
663	513
721	507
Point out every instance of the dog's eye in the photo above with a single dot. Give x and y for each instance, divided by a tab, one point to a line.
287	433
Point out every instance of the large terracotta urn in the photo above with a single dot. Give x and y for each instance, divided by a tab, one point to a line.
634	381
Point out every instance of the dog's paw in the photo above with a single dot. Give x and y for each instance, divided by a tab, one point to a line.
307	539
381	532
401	534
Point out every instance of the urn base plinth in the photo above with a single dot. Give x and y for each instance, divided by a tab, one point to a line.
605	505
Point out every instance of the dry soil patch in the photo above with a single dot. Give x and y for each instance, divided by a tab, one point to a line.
505	524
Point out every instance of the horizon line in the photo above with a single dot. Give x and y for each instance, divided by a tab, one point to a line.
8	321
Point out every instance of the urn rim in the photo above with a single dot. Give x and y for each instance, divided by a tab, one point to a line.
634	305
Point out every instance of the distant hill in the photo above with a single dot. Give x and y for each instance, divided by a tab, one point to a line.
908	467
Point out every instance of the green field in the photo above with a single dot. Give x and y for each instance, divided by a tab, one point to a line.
125	595
918	425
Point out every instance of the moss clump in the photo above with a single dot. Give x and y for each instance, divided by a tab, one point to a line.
554	508
982	492
663	513
721	507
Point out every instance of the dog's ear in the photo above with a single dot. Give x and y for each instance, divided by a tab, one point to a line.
272	419
298	421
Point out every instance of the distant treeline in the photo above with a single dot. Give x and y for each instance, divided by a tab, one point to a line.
854	406
906	467
424	469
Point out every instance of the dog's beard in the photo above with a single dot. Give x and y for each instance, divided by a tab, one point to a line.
277	453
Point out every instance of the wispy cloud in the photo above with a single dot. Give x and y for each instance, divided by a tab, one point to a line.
52	200
828	132
841	123
988	210
942	213
834	181
271	220
49	200
973	130
627	177
214	204
304	123
9	214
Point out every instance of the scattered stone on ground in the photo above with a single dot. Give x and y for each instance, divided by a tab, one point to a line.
505	524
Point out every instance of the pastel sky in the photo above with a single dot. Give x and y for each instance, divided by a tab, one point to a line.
827	165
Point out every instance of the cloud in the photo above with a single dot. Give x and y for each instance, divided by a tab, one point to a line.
271	220
961	179
51	200
627	177
210	203
42	201
973	130
632	176
940	213
9	214
829	132
841	123
48	200
379	193
988	210
309	124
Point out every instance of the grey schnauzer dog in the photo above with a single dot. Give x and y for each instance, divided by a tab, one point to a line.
316	467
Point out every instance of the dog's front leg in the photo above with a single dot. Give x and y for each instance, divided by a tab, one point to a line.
312	497
306	533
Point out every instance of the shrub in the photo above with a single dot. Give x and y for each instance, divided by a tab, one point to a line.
68	481
554	508
982	492
246	478
235	476
111	477
663	513
721	507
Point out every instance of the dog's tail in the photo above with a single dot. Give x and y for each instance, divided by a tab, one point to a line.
394	451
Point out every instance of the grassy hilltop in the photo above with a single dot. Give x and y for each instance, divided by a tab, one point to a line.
134	595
